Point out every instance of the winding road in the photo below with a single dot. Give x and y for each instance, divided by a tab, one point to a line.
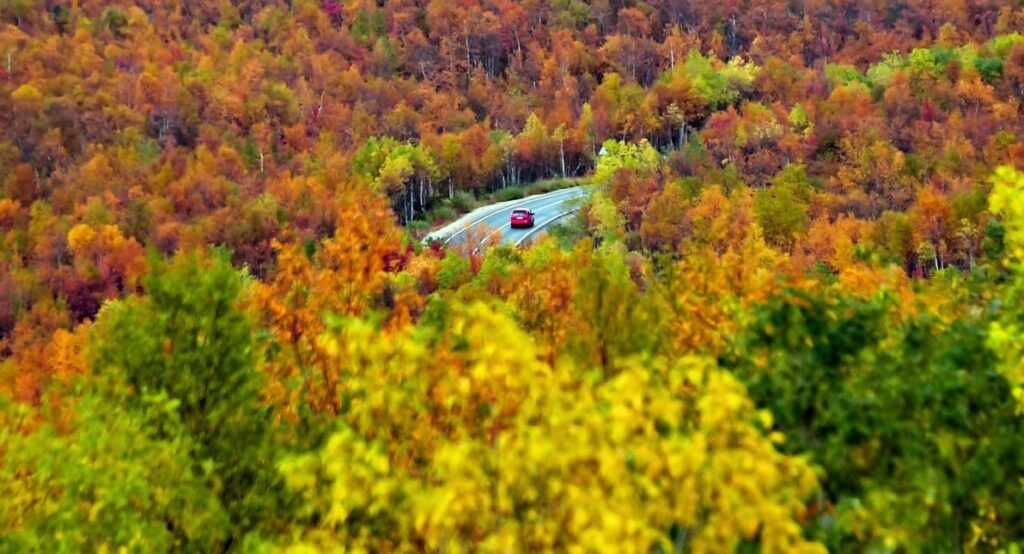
547	209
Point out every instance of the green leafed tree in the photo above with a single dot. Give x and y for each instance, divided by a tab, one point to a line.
781	209
187	341
907	415
723	85
618	320
640	157
103	483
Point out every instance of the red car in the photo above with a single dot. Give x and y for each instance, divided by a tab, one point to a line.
521	218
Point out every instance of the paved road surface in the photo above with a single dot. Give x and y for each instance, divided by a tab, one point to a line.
547	208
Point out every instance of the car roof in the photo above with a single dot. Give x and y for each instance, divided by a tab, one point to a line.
520	211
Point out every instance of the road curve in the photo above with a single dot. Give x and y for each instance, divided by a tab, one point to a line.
547	208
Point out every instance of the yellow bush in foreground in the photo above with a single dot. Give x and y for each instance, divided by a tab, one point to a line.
459	439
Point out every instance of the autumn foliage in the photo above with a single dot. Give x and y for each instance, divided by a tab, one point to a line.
788	317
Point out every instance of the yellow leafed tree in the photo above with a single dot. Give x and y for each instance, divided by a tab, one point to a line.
1006	335
457	437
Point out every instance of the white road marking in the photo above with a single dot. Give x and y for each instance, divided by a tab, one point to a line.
545	224
514	206
509	224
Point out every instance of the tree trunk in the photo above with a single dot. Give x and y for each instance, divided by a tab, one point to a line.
409	196
561	151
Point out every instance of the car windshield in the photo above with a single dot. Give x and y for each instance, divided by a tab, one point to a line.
520	212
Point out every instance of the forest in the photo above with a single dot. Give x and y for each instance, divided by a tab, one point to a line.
788	318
